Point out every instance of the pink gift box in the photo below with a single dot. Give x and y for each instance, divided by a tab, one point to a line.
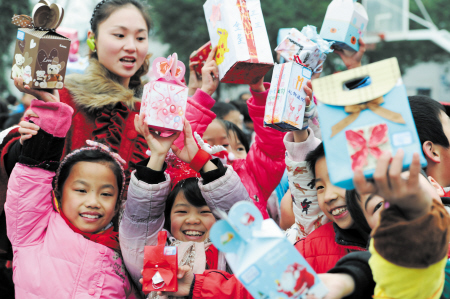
164	99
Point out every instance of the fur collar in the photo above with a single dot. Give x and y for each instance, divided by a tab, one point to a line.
98	87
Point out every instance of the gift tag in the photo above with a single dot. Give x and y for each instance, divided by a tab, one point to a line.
158	281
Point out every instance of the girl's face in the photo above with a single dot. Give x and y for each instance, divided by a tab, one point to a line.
122	42
89	196
331	198
235	146
190	223
371	206
216	134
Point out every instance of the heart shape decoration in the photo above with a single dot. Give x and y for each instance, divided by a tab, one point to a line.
32	44
28	59
21	45
46	15
44	59
23	21
169	69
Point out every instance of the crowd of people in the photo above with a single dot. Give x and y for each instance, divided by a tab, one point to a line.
80	197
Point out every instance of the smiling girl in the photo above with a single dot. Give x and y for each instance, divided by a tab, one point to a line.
180	203
60	225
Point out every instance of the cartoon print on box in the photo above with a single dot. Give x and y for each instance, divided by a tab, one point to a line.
367	144
21	63
222	46
53	77
27	74
40	78
295	281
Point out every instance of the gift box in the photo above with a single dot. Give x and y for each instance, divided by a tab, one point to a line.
345	23
285	105
261	257
307	45
160	266
364	112
201	56
164	99
237	27
41	54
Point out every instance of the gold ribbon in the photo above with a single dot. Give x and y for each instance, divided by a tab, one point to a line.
374	105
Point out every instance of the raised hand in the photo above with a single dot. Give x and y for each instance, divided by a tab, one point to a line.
27	129
42	95
195	81
210	73
190	148
258	86
352	60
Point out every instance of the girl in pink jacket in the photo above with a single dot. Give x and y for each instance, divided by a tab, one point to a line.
60	226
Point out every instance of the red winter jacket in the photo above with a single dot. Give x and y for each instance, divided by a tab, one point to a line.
321	250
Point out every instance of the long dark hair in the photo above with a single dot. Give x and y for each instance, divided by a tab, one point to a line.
102	12
94	156
191	192
229	126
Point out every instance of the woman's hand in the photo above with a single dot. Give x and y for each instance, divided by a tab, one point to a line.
195	81
27	129
42	95
354	59
190	148
210	73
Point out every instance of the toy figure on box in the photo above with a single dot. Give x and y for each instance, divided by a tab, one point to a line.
37	37
107	96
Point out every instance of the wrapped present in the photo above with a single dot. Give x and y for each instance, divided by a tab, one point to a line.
262	258
41	54
345	23
307	45
237	27
160	266
363	113
201	56
285	105
164	99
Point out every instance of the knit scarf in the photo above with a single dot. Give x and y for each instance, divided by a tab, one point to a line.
108	237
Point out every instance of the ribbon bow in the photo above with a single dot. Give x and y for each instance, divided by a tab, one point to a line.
45	17
356	139
169	69
311	32
374	105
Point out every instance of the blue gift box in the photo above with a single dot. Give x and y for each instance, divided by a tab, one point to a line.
359	124
344	23
262	258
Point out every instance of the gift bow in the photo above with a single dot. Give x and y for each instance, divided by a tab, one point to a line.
169	69
356	139
45	17
311	32
373	105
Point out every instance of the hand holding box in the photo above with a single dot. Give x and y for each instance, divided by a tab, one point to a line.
164	99
160	266
41	54
262	258
201	55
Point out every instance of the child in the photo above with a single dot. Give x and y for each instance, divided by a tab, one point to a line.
65	245
185	212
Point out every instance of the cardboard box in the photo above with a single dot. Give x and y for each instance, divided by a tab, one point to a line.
201	56
160	266
41	55
345	23
244	54
262	258
164	100
361	123
308	45
285	105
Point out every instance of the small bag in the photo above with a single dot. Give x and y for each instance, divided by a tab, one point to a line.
160	266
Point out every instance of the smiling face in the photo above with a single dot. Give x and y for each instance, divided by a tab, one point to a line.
89	196
122	42
371	206
190	223
331	198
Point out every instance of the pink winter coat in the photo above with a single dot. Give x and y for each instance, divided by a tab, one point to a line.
50	259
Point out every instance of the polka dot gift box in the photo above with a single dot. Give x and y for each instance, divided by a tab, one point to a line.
164	99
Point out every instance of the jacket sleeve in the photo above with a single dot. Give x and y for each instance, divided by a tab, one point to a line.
143	218
198	113
224	192
266	154
308	215
8	138
28	205
218	285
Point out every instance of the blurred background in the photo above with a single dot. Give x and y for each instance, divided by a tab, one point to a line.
416	32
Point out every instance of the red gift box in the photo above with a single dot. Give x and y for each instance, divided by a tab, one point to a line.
160	267
201	56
